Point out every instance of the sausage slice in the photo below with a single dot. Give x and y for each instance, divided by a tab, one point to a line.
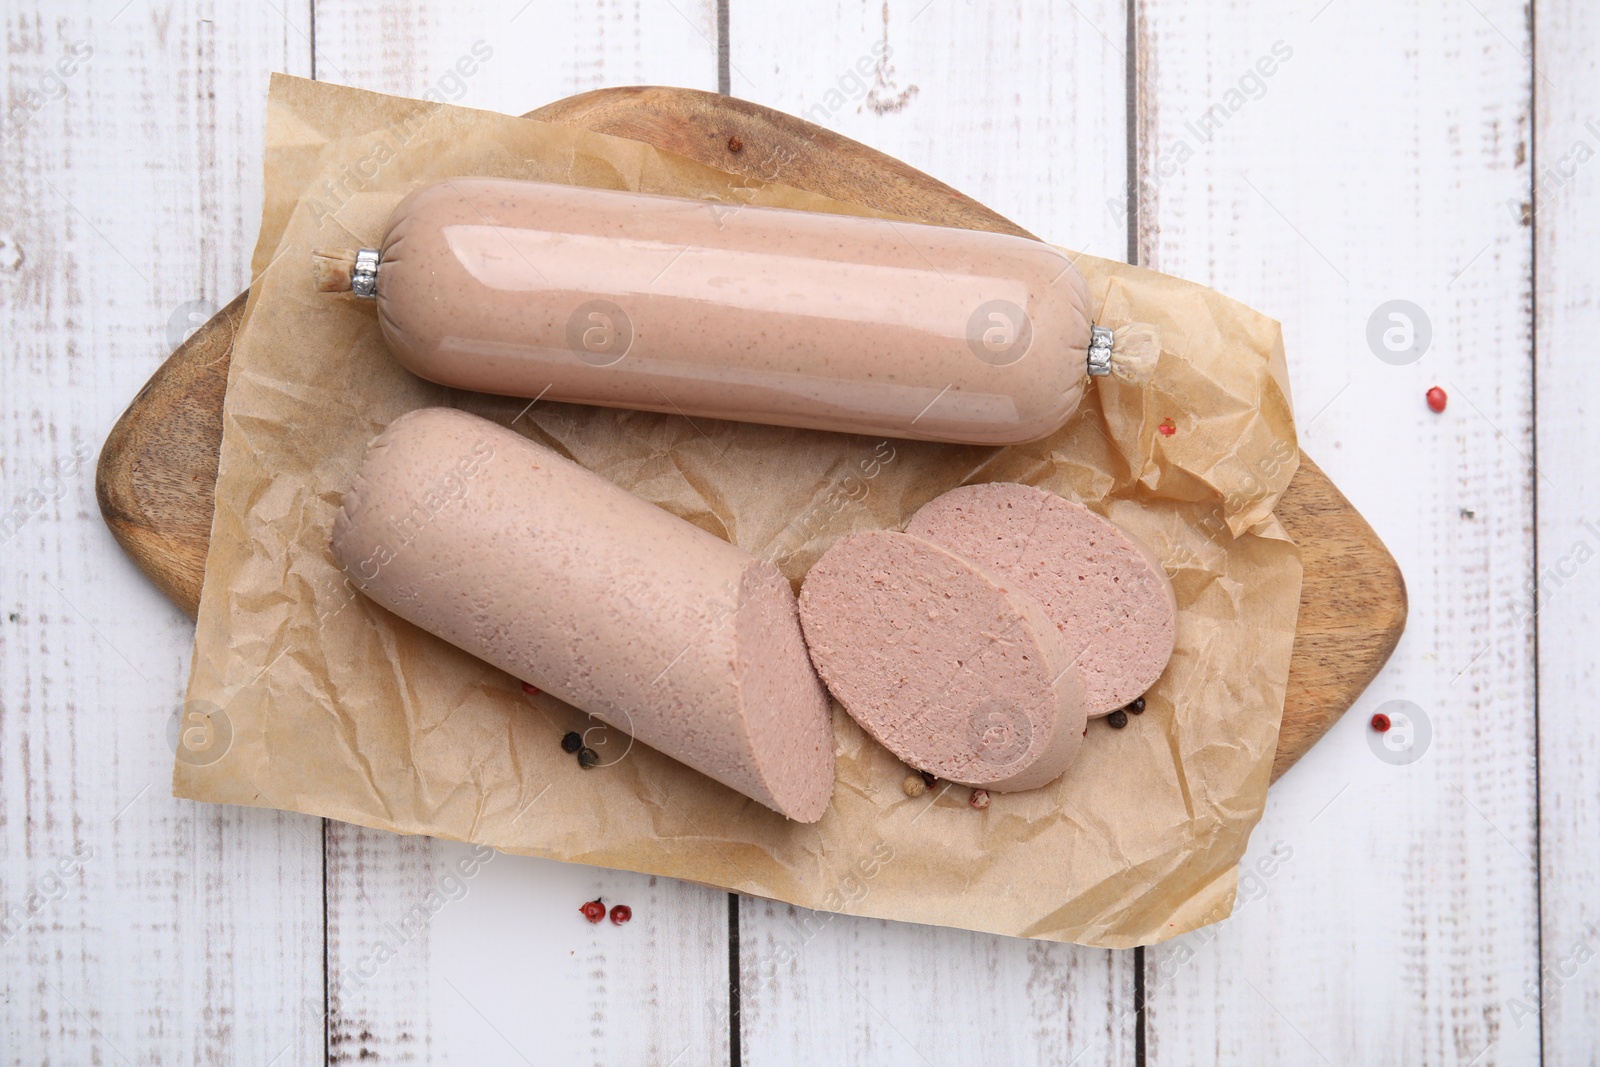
1105	591
949	667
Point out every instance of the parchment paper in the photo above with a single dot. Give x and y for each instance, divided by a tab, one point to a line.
321	702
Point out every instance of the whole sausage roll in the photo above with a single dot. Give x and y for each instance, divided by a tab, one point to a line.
756	314
560	578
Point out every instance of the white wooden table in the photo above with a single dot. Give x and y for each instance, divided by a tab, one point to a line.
1434	153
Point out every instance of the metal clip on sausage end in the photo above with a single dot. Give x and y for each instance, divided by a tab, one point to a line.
1130	352
364	278
346	270
1099	351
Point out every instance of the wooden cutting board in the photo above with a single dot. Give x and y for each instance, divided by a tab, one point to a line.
158	470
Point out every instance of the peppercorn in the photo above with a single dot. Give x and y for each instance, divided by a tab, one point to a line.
979	799
928	780
1381	723
572	742
1117	719
1135	708
594	910
620	913
587	757
1437	399
914	786
734	144
1167	428
531	690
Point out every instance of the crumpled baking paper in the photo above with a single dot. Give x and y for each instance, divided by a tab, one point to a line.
308	697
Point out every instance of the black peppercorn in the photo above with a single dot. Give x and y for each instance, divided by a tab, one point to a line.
1137	707
587	757
1117	719
572	742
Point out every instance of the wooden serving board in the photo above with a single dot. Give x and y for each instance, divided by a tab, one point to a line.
157	474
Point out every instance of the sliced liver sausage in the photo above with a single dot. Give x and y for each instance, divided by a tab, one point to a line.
551	573
949	667
1106	591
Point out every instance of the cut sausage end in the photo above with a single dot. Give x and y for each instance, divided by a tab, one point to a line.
947	666
786	706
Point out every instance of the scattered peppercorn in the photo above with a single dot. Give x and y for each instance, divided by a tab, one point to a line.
587	757
1167	428
14	617
914	786
1135	708
979	799
572	742
1381	723
594	910
620	913
734	144
531	690
1437	399
1117	719
928	780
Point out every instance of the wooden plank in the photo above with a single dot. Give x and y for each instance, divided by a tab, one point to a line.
135	928
1565	1004
512	969
513	57
1353	608
1316	162
818	987
452	953
1021	107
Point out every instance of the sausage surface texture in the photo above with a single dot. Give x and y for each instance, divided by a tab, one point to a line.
756	314
948	667
560	578
1104	589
